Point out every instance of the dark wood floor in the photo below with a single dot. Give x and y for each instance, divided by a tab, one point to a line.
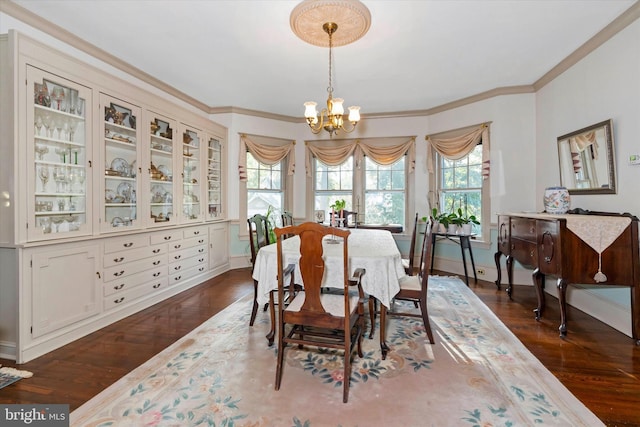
598	364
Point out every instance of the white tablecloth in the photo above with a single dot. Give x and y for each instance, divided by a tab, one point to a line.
373	250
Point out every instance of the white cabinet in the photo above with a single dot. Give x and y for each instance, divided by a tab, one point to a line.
218	246
108	195
65	287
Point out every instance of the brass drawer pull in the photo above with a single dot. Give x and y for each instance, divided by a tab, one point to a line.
118	274
157	286
118	259
167	237
155	251
120	286
177	246
119	300
177	278
177	257
178	267
156	274
128	245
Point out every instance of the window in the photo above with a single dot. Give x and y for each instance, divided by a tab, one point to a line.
384	192
333	183
460	185
382	188
264	187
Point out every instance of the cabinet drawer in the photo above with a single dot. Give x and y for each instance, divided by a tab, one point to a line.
187	253
186	274
523	228
195	232
120	271
187	263
124	257
549	247
166	236
135	293
188	243
128	282
525	252
123	243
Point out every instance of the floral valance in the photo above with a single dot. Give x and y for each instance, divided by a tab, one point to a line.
384	151
268	151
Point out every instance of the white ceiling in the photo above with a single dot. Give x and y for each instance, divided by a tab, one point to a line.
418	54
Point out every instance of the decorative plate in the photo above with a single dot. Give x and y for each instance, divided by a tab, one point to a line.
157	194
121	166
164	170
124	190
109	195
117	222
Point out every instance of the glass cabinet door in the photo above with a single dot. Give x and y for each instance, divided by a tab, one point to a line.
60	173
191	176
161	167
120	155
214	181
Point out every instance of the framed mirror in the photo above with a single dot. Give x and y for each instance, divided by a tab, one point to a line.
587	161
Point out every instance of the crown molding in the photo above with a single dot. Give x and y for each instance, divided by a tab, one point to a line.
48	27
621	22
24	15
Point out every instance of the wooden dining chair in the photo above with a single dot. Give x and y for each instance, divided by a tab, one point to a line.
413	289
258	237
287	218
407	263
315	318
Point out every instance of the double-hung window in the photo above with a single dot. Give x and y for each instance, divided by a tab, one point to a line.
264	187
385	196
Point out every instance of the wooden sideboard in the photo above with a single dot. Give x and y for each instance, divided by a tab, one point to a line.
547	244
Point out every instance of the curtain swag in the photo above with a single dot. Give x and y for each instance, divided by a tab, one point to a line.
339	152
265	153
457	147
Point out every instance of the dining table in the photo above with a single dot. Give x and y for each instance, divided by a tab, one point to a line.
374	250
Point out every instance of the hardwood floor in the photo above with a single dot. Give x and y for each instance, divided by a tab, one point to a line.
598	364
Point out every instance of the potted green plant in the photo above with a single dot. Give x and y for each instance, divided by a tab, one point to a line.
337	207
465	222
441	220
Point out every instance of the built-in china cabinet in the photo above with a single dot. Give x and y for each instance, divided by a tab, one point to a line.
112	198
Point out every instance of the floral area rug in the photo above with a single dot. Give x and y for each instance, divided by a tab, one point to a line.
222	374
9	375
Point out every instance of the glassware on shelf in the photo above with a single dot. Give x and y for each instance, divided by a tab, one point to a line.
60	177
61	204
73	101
57	220
62	152
39	125
79	105
43	173
71	178
65	129
59	124
81	176
41	150
73	125
45	224
57	95
48	126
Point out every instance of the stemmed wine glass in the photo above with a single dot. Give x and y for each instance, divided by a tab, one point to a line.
50	123
41	150
60	177
62	152
71	178
65	129
39	124
45	224
43	173
81	176
58	95
57	220
59	125
72	129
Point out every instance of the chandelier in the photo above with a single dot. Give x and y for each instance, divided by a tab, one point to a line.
354	20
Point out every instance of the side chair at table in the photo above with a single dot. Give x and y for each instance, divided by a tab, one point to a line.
315	318
407	263
413	289
258	237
